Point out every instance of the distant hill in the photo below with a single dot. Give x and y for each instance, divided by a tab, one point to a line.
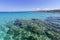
56	11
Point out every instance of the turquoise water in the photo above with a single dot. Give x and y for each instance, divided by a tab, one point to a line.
8	16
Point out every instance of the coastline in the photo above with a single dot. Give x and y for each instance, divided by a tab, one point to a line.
48	11
51	11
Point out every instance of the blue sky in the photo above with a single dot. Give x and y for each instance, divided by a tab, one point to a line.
23	5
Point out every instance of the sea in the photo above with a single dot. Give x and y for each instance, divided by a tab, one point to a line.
5	17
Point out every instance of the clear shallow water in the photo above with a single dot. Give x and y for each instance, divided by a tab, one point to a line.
8	16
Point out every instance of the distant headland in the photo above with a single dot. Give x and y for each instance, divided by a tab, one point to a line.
54	11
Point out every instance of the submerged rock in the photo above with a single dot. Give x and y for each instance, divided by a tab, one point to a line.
17	22
34	29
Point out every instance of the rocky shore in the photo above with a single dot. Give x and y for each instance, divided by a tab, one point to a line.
53	11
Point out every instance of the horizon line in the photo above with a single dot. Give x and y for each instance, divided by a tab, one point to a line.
27	10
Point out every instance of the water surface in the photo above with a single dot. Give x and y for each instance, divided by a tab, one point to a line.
7	16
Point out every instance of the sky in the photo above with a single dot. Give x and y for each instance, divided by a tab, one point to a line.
27	5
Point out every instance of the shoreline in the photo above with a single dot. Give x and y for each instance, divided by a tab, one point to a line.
48	11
